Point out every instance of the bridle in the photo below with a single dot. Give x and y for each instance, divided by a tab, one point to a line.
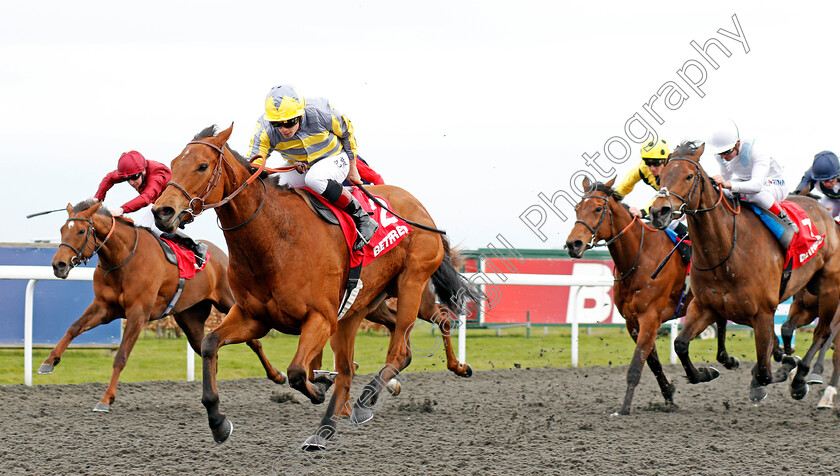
90	232
700	179
197	204
593	242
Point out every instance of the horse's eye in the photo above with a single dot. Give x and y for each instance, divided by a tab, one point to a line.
690	176
598	210
80	232
202	167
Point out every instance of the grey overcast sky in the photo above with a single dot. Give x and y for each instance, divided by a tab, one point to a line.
475	107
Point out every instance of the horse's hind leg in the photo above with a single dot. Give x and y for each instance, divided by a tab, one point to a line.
234	329
399	355
95	315
803	311
431	312
824	332
136	319
827	400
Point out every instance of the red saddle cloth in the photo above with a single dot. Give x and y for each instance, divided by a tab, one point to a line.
805	243
391	229
186	259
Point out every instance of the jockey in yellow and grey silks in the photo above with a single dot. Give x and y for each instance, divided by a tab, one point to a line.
314	133
654	155
648	170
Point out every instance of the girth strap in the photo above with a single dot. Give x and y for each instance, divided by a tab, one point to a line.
351	290
175	298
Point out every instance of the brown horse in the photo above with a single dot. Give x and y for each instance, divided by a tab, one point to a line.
803	311
644	303
739	268
287	272
133	280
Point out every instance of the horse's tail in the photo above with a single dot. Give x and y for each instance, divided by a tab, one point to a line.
453	290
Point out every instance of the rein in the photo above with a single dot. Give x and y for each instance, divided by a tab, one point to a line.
412	223
197	204
594	232
700	178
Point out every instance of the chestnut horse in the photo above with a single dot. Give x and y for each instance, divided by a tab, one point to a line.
644	303
739	268
287	272
133	280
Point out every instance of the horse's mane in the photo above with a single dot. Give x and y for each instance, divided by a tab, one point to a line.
212	130
85	204
687	147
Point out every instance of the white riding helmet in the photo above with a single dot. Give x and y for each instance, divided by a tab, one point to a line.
724	138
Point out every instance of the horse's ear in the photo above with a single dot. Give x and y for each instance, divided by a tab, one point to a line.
610	183
70	209
586	183
94	208
222	137
700	150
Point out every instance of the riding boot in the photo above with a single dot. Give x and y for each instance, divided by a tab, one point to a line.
684	248
198	248
365	225
790	227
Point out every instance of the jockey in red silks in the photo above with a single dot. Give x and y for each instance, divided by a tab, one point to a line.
149	178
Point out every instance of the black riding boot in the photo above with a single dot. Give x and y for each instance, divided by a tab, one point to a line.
365	225
198	248
684	249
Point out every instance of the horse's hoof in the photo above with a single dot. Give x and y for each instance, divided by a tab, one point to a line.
314	443
798	392
326	374
280	379
394	387
734	363
102	407
355	366
468	372
360	414
814	379
707	374
46	369
790	361
827	400
223	431
757	394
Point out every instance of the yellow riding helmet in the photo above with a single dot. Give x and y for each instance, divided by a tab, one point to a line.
658	150
283	103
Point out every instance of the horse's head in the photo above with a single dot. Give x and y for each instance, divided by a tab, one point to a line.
196	181
592	212
78	238
680	185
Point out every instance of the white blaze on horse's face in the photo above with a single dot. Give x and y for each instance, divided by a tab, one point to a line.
70	224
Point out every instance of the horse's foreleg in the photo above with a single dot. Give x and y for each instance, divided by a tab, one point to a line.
723	357
696	320
801	313
644	331
827	400
313	337
95	315
764	335
136	319
235	328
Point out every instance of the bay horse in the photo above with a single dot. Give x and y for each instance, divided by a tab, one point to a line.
644	303
287	272
133	280
739	268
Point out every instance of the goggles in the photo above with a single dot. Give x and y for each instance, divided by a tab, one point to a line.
135	176
654	162
727	152
286	124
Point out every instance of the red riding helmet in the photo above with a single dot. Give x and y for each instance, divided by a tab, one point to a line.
130	163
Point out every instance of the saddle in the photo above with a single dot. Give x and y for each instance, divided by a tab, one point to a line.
317	206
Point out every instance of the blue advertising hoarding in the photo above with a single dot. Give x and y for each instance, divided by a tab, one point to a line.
56	305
